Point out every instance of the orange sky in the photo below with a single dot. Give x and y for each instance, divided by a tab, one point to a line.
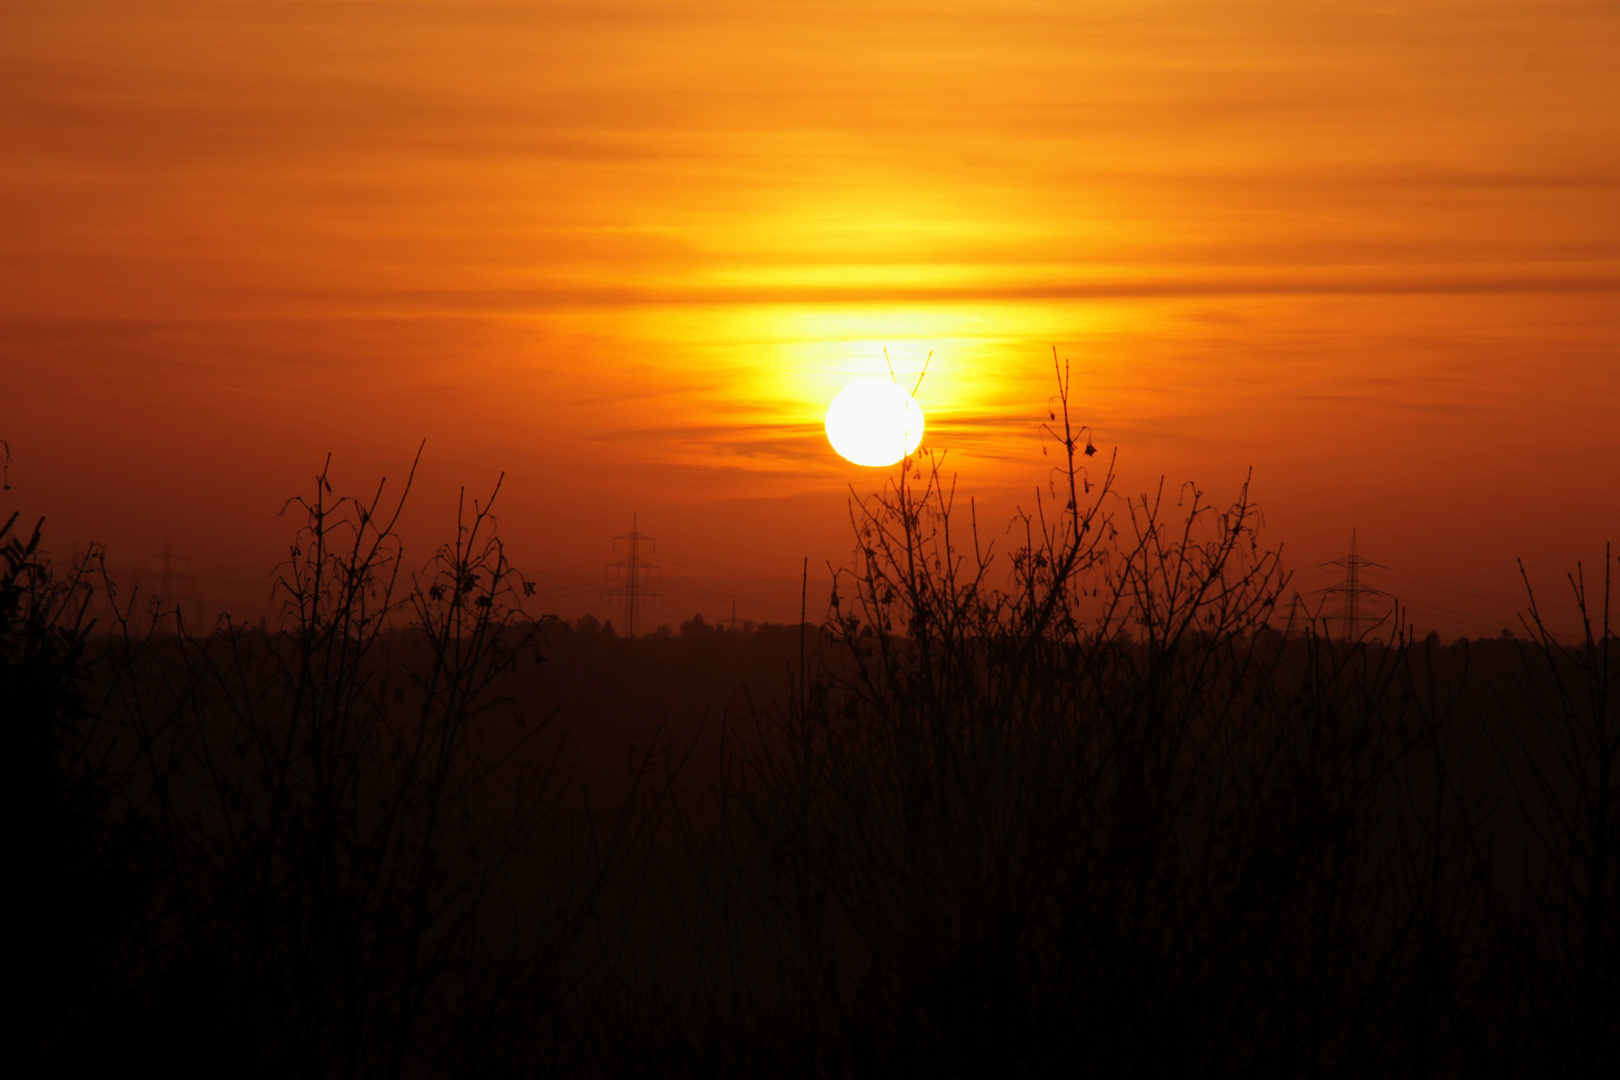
628	253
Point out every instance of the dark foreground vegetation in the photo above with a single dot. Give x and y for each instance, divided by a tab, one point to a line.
1092	806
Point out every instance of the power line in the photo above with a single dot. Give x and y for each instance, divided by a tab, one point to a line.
1514	601
699	593
730	572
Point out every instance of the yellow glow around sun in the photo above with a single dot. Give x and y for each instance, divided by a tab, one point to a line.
874	423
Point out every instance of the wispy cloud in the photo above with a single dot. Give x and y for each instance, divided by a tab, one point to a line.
649	240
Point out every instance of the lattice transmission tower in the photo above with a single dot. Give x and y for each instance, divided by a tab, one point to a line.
1352	590
168	574
635	572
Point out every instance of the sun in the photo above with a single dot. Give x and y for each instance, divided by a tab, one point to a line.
874	423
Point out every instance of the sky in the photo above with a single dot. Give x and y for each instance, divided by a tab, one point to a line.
626	253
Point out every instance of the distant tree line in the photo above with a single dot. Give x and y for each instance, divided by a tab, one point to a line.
1088	806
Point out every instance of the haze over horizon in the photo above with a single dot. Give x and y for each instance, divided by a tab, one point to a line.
627	253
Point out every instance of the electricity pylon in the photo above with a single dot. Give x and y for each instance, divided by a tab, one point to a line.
634	572
1353	590
167	558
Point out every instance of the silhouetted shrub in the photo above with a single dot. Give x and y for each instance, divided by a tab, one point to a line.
1087	805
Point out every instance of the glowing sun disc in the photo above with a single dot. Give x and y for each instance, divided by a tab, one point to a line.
874	423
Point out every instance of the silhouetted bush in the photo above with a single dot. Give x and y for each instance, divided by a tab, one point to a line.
1095	811
1086	806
